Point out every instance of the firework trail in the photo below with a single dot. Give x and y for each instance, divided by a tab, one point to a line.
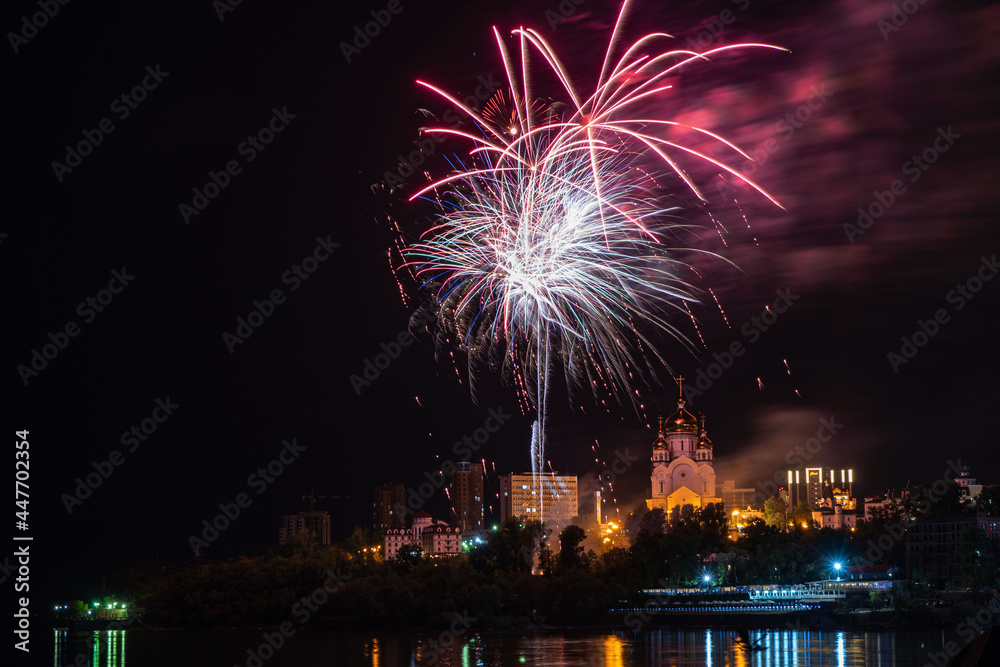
550	252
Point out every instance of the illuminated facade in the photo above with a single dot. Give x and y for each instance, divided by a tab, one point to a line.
683	472
815	485
436	538
969	489
556	500
441	540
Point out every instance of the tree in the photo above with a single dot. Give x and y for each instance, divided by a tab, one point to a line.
511	547
410	554
989	501
653	521
776	512
77	609
570	549
714	527
932	502
359	540
802	515
971	549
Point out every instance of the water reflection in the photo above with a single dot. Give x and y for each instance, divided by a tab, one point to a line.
706	647
100	648
653	646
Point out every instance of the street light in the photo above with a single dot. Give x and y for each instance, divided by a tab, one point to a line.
837	567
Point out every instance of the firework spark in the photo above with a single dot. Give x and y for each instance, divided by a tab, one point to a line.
552	249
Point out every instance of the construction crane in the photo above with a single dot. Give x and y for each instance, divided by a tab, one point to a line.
312	498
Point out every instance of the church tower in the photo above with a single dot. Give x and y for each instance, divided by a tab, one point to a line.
682	463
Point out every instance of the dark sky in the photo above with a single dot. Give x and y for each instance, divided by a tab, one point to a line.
878	97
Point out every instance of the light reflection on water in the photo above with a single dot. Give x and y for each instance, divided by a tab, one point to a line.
680	647
99	648
708	648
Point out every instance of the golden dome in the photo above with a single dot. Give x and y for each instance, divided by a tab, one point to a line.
681	421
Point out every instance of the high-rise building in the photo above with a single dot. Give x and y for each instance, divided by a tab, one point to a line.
682	462
467	496
317	523
932	545
390	507
547	496
813	485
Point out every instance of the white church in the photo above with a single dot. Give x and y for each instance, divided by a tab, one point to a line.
683	473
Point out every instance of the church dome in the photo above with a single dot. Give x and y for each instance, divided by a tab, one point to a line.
703	441
661	440
681	421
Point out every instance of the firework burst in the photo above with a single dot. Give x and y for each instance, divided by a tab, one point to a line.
553	249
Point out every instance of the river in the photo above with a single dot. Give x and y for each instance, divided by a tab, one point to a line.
680	647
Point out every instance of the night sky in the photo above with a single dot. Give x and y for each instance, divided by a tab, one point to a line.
167	283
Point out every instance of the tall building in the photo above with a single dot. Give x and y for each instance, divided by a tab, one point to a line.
467	496
682	462
550	497
390	507
932	545
813	485
317	523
